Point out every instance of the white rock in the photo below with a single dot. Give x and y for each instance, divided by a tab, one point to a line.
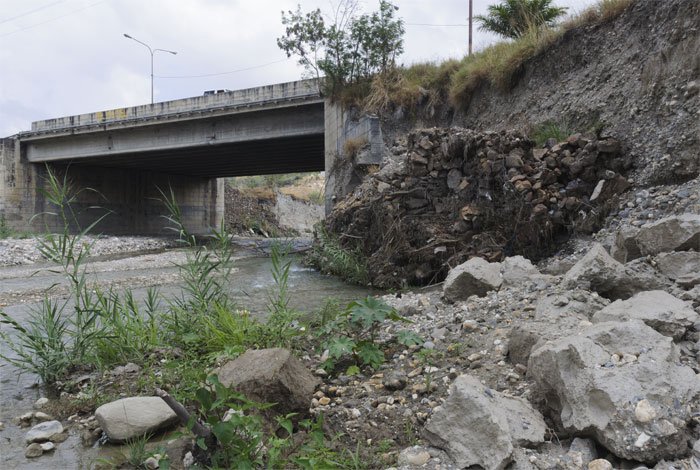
644	411
600	464
40	403
47	446
133	417
44	431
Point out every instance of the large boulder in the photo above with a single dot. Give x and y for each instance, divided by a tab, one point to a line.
474	277
479	426
133	417
683	267
599	272
621	383
271	376
665	313
555	315
677	233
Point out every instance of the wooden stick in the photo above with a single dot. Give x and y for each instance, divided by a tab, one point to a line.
198	429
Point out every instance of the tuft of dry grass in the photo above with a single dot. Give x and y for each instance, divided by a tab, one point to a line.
430	84
353	145
501	63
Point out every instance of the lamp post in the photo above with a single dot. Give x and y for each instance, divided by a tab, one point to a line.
152	51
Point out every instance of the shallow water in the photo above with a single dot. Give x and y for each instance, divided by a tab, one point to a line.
250	285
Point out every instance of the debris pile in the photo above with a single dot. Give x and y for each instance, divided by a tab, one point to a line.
455	193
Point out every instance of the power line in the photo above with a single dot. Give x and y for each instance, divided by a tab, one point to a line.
31	11
52	19
225	73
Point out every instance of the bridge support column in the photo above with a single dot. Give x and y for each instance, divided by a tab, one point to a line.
131	197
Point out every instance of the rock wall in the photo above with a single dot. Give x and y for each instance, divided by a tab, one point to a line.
450	194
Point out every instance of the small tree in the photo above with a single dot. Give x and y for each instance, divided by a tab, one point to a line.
513	18
351	49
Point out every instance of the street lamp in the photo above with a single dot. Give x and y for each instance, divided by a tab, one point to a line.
152	51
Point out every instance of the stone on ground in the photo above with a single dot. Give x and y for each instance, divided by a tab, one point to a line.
597	271
591	383
665	313
133	417
479	426
516	270
44	431
474	277
271	376
555	315
677	233
683	267
33	451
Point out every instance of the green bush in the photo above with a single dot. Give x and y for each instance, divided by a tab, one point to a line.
328	256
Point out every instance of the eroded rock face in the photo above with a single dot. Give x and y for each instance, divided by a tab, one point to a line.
474	277
593	383
480	426
665	313
271	376
134	417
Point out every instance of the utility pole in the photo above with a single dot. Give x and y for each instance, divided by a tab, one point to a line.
470	25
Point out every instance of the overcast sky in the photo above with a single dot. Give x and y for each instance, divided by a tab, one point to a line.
64	57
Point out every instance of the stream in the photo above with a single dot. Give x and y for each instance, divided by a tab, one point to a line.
23	287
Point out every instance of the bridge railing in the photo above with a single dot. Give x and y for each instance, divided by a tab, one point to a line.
258	96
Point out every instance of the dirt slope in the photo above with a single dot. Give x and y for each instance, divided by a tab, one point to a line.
637	78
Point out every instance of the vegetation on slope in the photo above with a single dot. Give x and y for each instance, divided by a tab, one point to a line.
454	81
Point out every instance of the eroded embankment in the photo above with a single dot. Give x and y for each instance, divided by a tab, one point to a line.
454	193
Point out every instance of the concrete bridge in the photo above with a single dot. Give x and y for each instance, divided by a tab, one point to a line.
189	145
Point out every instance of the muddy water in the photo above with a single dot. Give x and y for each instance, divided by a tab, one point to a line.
21	288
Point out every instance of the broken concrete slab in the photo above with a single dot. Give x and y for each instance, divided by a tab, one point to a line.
480	426
474	277
660	310
592	383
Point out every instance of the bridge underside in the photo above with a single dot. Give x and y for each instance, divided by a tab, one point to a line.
257	157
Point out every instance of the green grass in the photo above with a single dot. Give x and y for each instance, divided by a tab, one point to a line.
266	181
330	257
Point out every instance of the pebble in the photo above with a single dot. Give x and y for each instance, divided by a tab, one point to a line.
414	456
40	416
33	451
152	463
599	464
40	403
47	446
323	401
644	411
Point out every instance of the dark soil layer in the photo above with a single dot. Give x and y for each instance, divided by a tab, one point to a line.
454	193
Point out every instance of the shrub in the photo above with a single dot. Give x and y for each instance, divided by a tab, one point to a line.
327	255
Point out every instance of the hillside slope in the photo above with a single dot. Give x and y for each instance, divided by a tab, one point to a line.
636	78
